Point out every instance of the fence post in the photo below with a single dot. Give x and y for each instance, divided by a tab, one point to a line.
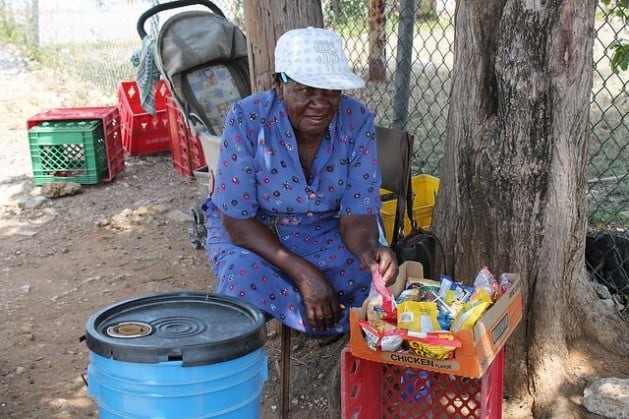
403	65
34	21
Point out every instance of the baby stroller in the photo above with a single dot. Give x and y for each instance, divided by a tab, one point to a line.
203	58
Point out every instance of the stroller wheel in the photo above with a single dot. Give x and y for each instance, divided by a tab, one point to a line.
196	243
197	233
197	214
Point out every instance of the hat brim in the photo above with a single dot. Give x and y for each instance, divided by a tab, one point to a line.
329	81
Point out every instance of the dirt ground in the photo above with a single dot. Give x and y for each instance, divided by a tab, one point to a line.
64	259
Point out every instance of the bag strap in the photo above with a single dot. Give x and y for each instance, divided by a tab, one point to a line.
408	204
410	198
428	252
404	180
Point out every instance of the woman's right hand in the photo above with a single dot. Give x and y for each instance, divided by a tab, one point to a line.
322	307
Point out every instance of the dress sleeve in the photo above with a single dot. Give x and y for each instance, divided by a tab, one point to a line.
235	191
362	192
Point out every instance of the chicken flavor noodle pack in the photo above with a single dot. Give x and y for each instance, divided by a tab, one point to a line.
426	315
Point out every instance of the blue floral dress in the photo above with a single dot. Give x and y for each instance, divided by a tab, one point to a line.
259	175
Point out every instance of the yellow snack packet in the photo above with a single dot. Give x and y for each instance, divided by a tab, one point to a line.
418	316
468	316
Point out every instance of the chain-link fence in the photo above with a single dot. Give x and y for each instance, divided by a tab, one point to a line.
407	73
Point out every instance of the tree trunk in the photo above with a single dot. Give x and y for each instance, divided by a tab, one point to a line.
512	191
377	41
335	14
266	21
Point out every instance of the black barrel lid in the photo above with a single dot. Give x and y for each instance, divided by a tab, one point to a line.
197	328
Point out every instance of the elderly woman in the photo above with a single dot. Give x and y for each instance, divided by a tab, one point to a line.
292	222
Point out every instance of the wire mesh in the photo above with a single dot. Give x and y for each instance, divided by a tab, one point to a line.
408	73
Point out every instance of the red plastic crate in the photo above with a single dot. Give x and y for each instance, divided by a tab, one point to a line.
185	146
371	389
143	133
110	119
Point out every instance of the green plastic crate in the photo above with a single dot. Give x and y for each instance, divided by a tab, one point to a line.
68	151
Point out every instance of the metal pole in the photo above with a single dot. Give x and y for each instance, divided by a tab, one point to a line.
34	43
408	9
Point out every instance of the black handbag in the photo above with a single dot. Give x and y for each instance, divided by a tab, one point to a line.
420	246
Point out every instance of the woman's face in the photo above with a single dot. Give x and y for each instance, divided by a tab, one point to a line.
310	109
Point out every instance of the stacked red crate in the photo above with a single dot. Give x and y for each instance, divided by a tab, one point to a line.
185	146
143	133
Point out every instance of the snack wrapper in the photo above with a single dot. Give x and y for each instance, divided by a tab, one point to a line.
411	294
418	316
381	336
468	316
458	294
435	345
505	283
421	289
380	302
485	281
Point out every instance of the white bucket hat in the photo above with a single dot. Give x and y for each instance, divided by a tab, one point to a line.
314	57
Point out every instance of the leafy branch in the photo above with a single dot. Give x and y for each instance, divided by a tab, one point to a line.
620	57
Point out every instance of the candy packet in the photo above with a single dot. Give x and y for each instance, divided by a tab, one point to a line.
445	320
381	335
458	293
505	283
444	286
485	280
380	302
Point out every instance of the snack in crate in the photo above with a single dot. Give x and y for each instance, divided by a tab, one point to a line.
434	345
458	294
427	313
420	289
381	335
381	308
409	294
485	281
471	311
380	301
505	283
418	316
486	291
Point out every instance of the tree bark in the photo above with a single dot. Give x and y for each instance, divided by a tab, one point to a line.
512	190
335	12
266	21
377	41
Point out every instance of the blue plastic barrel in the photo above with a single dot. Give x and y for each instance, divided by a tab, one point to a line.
177	355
